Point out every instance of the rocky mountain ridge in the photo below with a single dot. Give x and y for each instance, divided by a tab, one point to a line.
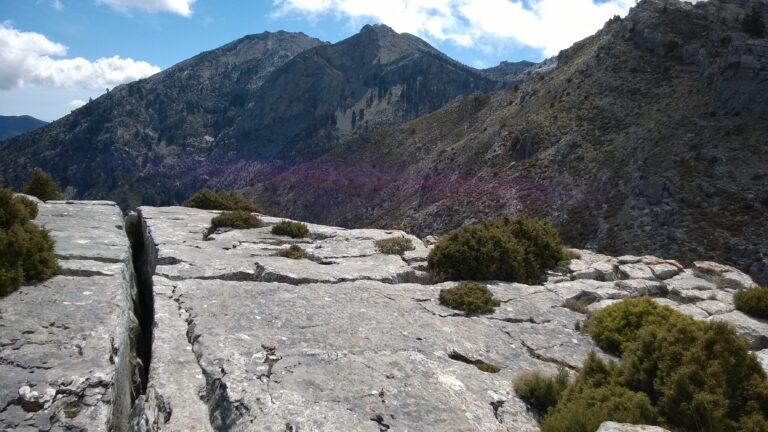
259	101
647	136
351	339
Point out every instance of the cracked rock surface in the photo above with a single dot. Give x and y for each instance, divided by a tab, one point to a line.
355	340
66	356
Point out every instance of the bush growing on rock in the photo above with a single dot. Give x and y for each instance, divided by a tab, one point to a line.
26	251
43	186
395	246
469	297
541	392
753	23
237	220
616	325
752	301
291	229
516	249
292	252
206	199
675	371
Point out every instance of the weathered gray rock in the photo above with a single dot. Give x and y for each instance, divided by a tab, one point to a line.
687	281
642	287
68	345
754	330
636	271
725	277
623	427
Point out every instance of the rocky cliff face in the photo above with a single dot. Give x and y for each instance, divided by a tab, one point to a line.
350	339
648	136
231	115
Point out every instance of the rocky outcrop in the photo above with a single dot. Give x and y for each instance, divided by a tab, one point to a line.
69	346
345	340
241	339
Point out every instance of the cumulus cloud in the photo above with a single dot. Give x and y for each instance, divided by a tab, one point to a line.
181	7
77	103
547	25
28	59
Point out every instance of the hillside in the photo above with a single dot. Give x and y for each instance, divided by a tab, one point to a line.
236	113
11	126
648	137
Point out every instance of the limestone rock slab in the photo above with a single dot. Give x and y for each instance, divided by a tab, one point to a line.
67	348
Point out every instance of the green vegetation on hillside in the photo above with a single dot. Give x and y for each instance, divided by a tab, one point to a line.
292	252
206	199
516	249
469	297
26	251
752	301
291	229
394	246
683	374
43	186
236	219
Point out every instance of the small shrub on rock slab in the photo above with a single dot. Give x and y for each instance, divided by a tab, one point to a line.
752	301
292	252
236	220
43	186
291	229
206	199
515	249
395	246
469	297
541	392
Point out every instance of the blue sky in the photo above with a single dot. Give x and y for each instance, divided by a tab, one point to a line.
54	54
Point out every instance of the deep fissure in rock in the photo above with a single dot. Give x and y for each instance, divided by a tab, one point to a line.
483	366
145	308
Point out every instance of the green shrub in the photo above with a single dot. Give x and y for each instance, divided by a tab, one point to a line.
577	305
686	374
541	392
515	249
585	410
236	219
290	229
206	199
394	246
43	186
752	301
618	324
292	252
15	210
469	297
26	251
701	376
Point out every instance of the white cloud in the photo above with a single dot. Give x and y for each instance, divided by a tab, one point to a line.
181	7
57	4
27	59
77	103
547	25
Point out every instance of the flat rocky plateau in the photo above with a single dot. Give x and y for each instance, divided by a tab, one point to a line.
347	340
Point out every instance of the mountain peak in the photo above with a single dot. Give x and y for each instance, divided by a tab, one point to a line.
379	29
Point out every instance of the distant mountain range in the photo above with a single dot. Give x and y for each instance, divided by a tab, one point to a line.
647	137
11	126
